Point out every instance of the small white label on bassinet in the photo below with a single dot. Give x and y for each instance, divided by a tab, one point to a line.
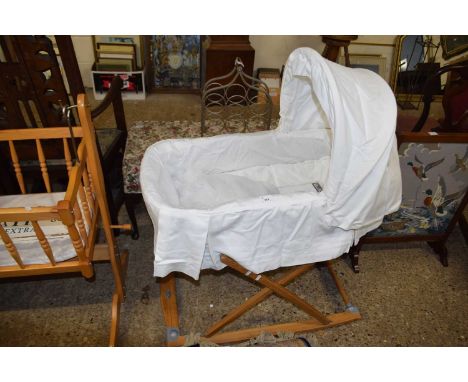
317	187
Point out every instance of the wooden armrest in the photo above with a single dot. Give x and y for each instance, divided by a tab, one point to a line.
431	137
428	90
114	97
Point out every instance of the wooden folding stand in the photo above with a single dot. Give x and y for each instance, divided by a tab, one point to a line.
83	205
318	319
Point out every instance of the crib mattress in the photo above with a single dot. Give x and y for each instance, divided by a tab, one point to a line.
24	238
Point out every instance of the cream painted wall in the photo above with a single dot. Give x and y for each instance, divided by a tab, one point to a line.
273	51
383	50
270	51
85	56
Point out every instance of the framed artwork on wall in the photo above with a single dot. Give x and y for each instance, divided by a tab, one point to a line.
176	62
453	45
376	64
114	40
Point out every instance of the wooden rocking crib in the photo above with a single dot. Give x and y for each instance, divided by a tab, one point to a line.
56	232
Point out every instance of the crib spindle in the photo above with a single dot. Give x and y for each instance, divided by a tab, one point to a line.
68	159
84	204
79	221
78	245
88	182
88	191
43	241
68	218
91	185
43	165
81	192
10	246
17	167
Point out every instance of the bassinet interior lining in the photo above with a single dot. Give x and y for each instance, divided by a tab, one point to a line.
275	164
212	190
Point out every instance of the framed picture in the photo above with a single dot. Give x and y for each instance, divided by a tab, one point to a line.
134	40
453	45
114	65
122	40
376	64
176	62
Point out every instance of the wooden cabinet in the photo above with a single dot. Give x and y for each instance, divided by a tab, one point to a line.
221	51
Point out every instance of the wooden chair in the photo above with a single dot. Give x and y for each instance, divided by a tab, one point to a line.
434	169
32	93
56	232
454	102
334	43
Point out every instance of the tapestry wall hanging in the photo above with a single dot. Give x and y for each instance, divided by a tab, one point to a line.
176	61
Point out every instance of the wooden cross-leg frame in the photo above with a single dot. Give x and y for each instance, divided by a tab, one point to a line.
318	319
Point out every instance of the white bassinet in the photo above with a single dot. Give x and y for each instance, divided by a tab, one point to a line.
302	193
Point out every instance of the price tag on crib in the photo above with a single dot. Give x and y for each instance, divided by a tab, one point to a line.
317	187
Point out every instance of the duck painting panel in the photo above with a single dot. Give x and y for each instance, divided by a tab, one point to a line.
435	181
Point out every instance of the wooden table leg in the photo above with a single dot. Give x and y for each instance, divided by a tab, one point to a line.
440	248
463	226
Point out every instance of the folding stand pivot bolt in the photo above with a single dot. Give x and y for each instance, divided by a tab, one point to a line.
351	308
172	334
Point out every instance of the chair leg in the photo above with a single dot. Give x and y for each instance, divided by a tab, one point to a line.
354	256
440	248
131	200
114	215
464	227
